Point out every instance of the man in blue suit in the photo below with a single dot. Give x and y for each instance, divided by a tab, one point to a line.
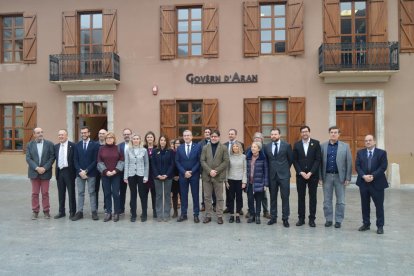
187	160
86	153
371	164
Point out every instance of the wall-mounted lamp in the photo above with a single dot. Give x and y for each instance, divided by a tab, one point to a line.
155	90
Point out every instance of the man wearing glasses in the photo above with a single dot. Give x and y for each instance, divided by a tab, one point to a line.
123	148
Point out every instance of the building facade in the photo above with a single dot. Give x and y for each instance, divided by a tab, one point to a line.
170	65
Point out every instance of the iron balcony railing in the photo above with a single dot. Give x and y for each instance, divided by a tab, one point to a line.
376	56
88	66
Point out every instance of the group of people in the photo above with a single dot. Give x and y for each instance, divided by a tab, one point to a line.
168	169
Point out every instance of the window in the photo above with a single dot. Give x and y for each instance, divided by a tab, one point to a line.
189	32
274	114
90	43
354	104
12	127
272	29
13	34
190	116
353	32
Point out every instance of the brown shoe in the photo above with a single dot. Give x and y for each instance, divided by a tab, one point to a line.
220	220
206	220
47	214
35	215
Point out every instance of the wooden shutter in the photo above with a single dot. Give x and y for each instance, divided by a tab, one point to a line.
251	119
296	118
406	10
210	30
30	121
210	113
295	33
168	118
168	34
331	31
109	31
251	25
30	38
377	21
69	33
331	21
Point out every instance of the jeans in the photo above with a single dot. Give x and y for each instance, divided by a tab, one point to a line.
253	197
111	187
330	184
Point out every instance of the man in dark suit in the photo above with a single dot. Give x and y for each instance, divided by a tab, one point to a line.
371	164
40	155
101	135
214	161
280	158
86	153
65	173
306	160
229	144
123	148
187	160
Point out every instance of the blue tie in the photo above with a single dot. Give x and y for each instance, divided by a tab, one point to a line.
84	146
369	160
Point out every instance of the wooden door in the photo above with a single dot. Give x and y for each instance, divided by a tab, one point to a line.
355	117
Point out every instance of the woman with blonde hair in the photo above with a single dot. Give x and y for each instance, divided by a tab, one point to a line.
236	180
136	175
110	164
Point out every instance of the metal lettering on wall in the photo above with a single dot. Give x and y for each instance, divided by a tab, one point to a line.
216	79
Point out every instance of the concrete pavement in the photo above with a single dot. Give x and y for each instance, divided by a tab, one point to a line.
88	247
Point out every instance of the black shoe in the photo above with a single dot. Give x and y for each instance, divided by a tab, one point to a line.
116	217
337	225
312	223
286	223
133	218
220	220
95	216
226	211
231	220
364	227
237	219
328	224
300	222
251	219
77	216
59	215
380	230
182	218
257	219
271	222
108	217
71	215
196	219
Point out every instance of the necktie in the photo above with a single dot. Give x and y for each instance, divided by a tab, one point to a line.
84	146
188	150
231	146
369	160
61	156
275	152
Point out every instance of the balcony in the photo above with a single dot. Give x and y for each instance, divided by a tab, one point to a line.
79	72
358	62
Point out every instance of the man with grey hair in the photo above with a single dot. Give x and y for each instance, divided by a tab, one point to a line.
40	155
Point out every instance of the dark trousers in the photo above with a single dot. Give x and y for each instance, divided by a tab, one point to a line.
185	183
98	183
213	196
234	193
284	186
312	190
252	198
143	196
134	182
367	192
111	188
175	190
122	194
66	181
